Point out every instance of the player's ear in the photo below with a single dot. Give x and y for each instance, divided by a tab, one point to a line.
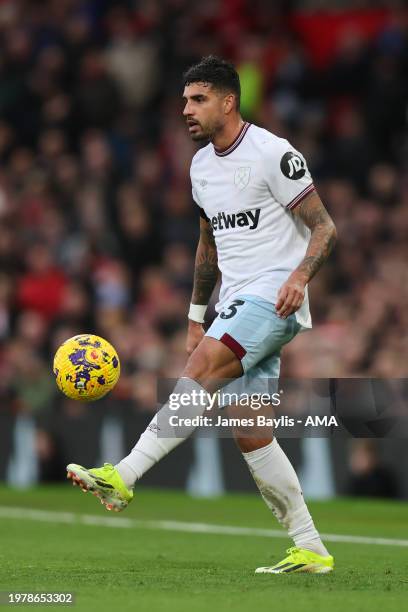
229	103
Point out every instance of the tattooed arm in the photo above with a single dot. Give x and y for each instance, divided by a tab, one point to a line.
205	279
206	267
313	214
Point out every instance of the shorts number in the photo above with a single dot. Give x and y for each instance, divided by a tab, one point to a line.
232	308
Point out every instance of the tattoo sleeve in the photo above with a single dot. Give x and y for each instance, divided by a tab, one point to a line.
323	238
206	266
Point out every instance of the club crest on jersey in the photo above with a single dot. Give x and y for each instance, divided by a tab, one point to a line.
292	166
242	176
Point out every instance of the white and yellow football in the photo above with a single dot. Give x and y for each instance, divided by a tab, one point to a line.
86	367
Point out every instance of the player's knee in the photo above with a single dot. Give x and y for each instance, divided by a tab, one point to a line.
212	361
198	366
245	430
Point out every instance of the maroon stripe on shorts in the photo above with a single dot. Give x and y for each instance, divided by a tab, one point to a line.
235	346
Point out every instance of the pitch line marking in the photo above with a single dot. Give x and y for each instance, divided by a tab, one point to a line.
70	518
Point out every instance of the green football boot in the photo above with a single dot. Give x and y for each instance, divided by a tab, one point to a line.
105	483
300	560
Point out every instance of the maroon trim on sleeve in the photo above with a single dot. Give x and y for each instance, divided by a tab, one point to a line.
235	346
296	201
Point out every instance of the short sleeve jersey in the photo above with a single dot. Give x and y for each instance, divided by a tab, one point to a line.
247	193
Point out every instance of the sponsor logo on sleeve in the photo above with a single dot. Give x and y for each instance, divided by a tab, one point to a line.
293	166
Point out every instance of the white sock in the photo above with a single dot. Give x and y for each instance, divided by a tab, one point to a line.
152	445
279	486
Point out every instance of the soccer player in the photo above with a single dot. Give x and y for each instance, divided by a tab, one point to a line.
264	227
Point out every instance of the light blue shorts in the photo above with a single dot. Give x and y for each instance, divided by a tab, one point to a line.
250	327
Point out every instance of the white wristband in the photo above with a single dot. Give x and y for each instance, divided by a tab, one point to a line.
197	312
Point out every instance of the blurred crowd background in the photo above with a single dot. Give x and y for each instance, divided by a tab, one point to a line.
97	226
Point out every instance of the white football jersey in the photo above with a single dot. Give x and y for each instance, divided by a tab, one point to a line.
247	192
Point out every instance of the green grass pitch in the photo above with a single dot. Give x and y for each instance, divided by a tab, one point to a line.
142	569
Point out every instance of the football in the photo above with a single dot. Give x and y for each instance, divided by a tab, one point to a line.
86	367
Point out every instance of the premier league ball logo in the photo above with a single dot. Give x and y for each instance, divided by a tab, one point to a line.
86	367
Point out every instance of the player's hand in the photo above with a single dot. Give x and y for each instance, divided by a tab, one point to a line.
195	334
290	295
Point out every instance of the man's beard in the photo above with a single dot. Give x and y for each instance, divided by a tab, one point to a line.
205	134
202	136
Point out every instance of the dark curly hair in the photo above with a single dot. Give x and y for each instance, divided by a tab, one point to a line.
216	71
